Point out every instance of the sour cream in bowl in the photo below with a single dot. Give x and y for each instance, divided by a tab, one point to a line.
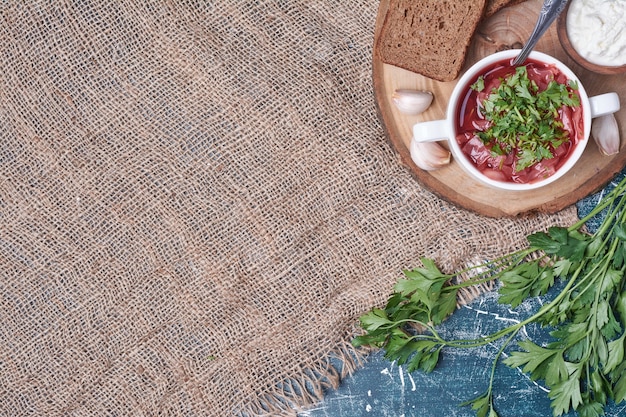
593	33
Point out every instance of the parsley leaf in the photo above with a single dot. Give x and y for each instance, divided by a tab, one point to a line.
524	120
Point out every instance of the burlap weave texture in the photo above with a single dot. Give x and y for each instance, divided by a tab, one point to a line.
197	201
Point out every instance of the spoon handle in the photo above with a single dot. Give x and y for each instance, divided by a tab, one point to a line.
549	12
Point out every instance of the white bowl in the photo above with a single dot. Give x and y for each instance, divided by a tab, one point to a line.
445	129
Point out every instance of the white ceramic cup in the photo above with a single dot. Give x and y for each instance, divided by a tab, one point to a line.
445	129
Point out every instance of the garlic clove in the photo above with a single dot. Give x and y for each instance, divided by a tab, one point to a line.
412	101
605	132
429	155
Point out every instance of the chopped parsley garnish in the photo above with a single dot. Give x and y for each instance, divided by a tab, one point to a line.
524	120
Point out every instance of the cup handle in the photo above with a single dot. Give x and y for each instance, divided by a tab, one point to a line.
604	104
430	131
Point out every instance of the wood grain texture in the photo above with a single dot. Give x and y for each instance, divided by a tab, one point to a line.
507	29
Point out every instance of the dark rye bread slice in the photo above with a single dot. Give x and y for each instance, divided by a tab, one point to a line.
494	6
429	37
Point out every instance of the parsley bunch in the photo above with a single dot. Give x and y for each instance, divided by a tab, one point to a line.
583	365
525	121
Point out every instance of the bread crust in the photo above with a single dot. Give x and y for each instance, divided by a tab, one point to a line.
494	6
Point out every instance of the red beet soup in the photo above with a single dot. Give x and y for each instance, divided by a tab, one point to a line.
519	124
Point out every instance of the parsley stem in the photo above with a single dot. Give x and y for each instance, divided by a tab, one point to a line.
543	310
493	269
497	359
605	202
597	272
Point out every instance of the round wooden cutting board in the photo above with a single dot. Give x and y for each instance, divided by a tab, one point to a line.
507	29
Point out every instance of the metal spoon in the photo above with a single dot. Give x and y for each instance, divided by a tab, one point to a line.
550	10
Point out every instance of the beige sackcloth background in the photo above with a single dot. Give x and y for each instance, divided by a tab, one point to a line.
197	201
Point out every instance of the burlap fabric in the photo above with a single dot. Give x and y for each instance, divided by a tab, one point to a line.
197	201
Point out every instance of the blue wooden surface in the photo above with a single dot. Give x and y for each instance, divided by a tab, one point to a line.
382	388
